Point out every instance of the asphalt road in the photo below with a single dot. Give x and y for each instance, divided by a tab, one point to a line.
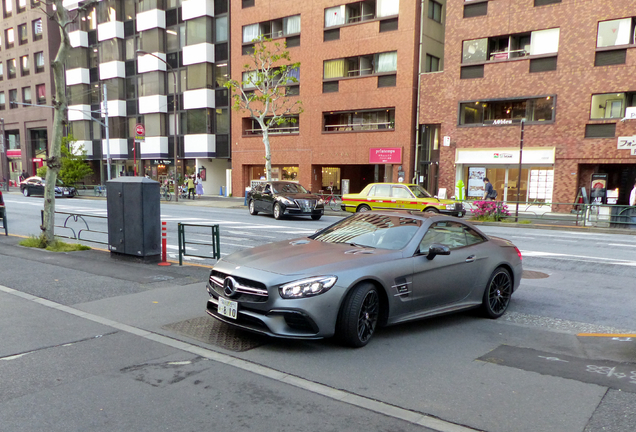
535	369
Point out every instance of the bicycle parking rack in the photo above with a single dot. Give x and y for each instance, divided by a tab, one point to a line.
216	242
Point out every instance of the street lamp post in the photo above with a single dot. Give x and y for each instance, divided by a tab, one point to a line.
174	109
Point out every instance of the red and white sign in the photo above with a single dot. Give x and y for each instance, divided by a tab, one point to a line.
385	155
140	132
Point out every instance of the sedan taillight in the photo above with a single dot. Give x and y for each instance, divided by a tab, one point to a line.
519	253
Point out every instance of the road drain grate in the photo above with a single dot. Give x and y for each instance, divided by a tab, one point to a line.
529	274
213	332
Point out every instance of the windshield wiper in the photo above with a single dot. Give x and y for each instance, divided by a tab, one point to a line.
361	245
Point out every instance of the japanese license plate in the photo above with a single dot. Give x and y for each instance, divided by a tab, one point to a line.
228	308
306	209
66	192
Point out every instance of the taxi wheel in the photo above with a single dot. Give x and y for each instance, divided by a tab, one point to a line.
363	208
431	210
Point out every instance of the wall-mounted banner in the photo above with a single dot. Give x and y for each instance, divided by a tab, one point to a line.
385	155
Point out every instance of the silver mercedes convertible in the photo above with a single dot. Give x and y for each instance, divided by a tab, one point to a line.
366	271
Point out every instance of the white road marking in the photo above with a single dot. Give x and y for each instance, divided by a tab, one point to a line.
582	258
621	245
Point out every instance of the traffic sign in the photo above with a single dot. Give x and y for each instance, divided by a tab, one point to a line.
140	132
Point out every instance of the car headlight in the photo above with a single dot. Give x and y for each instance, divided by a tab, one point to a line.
307	287
450	206
321	202
286	201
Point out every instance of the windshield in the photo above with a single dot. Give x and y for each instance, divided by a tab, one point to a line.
420	192
290	188
371	230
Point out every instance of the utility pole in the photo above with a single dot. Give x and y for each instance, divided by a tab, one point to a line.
107	133
523	121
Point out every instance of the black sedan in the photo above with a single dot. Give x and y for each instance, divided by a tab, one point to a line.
371	269
284	198
35	186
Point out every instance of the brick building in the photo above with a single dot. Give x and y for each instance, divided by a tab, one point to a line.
567	67
27	43
359	64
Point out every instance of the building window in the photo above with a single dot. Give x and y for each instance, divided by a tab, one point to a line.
359	121
152	41
37	29
247	3
540	42
611	105
606	130
472	10
199	121
39	62
13	97
11	68
388	25
200	76
7	6
609	58
9	38
40	92
199	30
1	71
25	69
150	83
22	4
148	5
387	81
221	74
220	7
2	101
435	11
432	63
272	29
26	96
506	112
545	2
330	87
111	50
23	36
109	11
286	125
361	65
249	78
615	33
360	11
220	29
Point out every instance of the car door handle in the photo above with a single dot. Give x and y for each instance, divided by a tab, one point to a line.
470	258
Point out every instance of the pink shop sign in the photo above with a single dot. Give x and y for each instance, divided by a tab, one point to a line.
385	155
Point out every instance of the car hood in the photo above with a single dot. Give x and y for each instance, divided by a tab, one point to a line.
305	256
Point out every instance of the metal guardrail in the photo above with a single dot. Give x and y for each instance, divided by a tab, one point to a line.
82	226
579	214
216	242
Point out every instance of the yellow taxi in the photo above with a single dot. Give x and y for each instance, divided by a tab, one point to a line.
399	196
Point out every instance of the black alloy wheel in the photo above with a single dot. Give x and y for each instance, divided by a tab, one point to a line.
316	217
252	208
358	317
498	293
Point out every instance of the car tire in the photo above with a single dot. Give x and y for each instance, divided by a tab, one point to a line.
252	207
25	192
358	317
278	212
431	210
316	217
497	294
363	208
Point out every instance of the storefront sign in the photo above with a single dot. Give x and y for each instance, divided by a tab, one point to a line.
599	188
14	153
385	155
37	159
536	155
162	162
626	142
476	181
502	122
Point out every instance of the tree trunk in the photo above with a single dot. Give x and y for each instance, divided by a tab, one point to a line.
268	150
55	149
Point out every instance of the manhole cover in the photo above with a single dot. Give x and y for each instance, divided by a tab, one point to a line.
529	274
214	332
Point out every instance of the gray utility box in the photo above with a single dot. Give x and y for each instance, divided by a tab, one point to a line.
134	217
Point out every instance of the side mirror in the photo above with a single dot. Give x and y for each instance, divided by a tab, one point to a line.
437	249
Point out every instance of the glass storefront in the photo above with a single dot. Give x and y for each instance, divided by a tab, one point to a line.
535	184
279	172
